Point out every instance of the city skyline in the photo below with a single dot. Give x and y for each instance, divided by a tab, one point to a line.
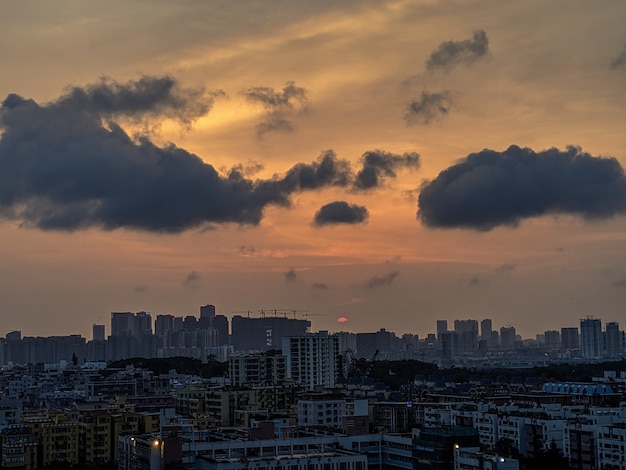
386	164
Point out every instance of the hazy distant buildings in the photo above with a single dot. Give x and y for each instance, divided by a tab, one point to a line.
569	339
486	329
98	333
552	339
507	338
265	333
442	328
368	343
613	340
466	341
591	344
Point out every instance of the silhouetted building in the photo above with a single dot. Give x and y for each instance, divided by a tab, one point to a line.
591	345
220	323
98	333
486	329
263	334
442	328
613	340
507	338
552	339
569	339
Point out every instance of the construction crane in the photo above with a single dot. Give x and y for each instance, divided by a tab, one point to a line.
369	367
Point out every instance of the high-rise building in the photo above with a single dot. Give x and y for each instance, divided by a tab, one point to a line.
163	325
442	328
569	339
467	336
613	340
313	360
98	333
220	323
263	334
485	329
207	314
591	345
122	324
507	338
552	339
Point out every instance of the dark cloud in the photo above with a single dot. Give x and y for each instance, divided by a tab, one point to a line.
340	212
140	289
620	60
319	286
490	188
505	268
291	275
191	279
385	280
428	107
619	284
247	251
378	165
474	280
452	53
280	106
68	165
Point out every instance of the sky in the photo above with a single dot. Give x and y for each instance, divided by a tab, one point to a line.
387	163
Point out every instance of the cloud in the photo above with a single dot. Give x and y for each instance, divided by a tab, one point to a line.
291	275
619	284
452	53
68	165
505	268
428	107
146	97
474	280
620	60
378	165
489	188
340	212
140	289
385	280
192	278
319	286
280	106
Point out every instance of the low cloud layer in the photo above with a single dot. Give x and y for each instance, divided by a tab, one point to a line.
377	166
68	165
291	275
452	53
428	107
620	61
340	212
280	106
489	188
385	280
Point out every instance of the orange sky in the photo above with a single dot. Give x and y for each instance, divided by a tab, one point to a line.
544	81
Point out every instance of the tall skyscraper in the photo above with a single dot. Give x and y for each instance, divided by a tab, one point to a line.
207	314
613	340
552	340
122	323
591	345
467	336
97	333
507	338
485	329
569	339
442	328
